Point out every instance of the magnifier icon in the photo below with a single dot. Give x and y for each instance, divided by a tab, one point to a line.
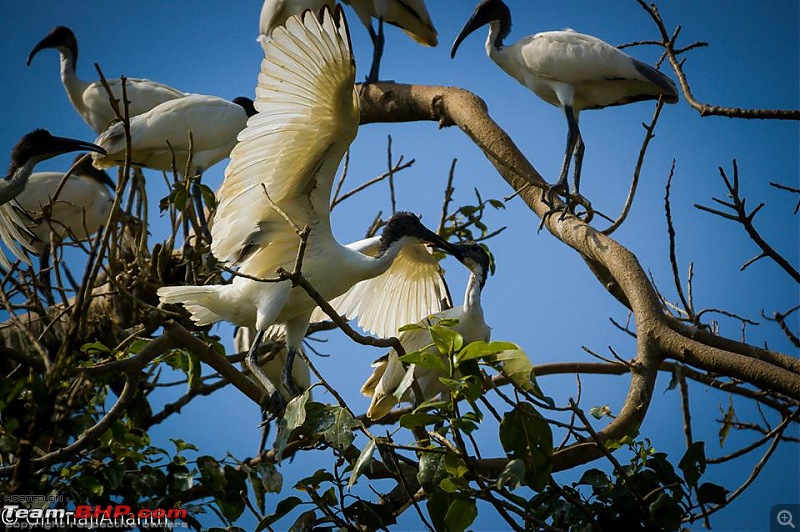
784	518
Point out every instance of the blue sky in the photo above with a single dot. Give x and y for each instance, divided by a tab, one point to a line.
542	296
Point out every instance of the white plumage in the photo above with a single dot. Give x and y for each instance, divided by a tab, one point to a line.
569	70
274	13
31	149
90	100
81	208
213	123
384	385
284	165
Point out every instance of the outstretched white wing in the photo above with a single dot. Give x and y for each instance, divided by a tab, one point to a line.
288	154
410	290
14	234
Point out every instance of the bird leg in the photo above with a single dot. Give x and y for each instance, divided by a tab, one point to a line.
286	377
377	52
197	199
275	402
574	198
574	149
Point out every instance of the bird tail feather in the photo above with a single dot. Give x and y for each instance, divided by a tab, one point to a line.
198	300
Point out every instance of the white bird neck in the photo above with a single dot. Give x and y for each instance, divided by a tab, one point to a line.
472	296
15	183
69	78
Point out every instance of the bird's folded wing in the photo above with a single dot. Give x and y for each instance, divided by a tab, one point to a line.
409	291
308	116
14	234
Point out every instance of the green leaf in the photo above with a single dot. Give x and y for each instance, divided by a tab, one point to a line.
709	493
259	493
427	359
410	327
431	471
315	480
305	522
595	478
294	416
334	425
283	507
600	411
693	463
195	373
271	479
481	349
526	435
362	462
447	341
518	368
95	348
460	515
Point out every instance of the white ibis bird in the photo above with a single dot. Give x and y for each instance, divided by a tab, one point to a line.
390	373
282	171
570	70
90	100
411	16
164	130
31	149
80	208
160	137
274	13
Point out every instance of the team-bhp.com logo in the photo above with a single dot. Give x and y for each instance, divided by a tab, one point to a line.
86	516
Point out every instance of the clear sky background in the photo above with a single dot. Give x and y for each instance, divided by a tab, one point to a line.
542	296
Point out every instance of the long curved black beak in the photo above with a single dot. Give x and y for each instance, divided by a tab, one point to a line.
477	20
47	42
59	145
440	243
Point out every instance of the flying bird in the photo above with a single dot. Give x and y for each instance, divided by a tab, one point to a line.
30	150
571	71
279	179
91	100
390	375
411	16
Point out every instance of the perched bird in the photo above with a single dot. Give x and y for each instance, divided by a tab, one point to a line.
570	70
161	137
279	180
79	210
31	149
274	13
164	130
411	16
390	374
91	99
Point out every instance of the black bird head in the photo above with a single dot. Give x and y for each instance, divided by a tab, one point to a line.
476	259
60	37
408	224
39	145
486	12
246	104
